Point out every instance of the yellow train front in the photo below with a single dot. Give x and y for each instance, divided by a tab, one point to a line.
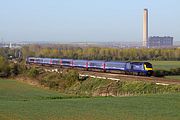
148	67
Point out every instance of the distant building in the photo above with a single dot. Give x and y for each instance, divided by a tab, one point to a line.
160	42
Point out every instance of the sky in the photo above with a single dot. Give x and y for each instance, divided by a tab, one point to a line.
87	20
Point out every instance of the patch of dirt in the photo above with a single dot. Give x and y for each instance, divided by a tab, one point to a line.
30	81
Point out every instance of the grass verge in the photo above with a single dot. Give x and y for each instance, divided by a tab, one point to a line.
165	65
177	77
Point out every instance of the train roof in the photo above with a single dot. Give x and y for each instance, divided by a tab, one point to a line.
55	59
96	61
80	60
67	59
141	62
115	62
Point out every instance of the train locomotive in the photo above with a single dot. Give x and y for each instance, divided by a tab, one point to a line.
135	68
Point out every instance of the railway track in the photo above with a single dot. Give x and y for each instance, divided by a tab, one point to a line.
114	76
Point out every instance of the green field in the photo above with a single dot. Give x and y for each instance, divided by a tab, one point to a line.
21	101
176	77
165	65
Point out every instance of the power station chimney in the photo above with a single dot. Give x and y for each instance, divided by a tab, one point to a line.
145	28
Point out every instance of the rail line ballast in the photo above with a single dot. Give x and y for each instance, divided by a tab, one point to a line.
135	68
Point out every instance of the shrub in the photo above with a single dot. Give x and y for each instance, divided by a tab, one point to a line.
14	69
158	73
60	81
175	71
4	67
33	72
71	77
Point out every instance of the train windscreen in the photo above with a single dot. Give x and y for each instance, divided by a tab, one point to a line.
148	65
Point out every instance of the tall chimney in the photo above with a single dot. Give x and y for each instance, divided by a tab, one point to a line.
145	28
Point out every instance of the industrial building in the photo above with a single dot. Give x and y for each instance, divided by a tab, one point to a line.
160	42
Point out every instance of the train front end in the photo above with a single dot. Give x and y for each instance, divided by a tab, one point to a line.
148	68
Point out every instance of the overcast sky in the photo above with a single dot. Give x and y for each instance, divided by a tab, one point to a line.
86	20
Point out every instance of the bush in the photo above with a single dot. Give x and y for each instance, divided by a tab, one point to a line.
14	69
71	77
60	81
175	71
162	73
158	73
4	67
33	72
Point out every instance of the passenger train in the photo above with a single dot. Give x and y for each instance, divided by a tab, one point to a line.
137	68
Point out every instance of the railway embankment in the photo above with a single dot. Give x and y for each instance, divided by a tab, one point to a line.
70	82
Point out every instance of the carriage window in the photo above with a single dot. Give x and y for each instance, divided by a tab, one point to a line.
31	60
55	61
46	60
95	64
92	64
66	62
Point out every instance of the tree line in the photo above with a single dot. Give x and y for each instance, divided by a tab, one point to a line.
99	53
8	67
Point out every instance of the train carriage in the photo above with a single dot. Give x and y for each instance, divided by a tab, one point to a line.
34	60
96	64
80	63
115	66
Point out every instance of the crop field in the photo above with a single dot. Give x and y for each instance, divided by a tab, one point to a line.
21	101
165	65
